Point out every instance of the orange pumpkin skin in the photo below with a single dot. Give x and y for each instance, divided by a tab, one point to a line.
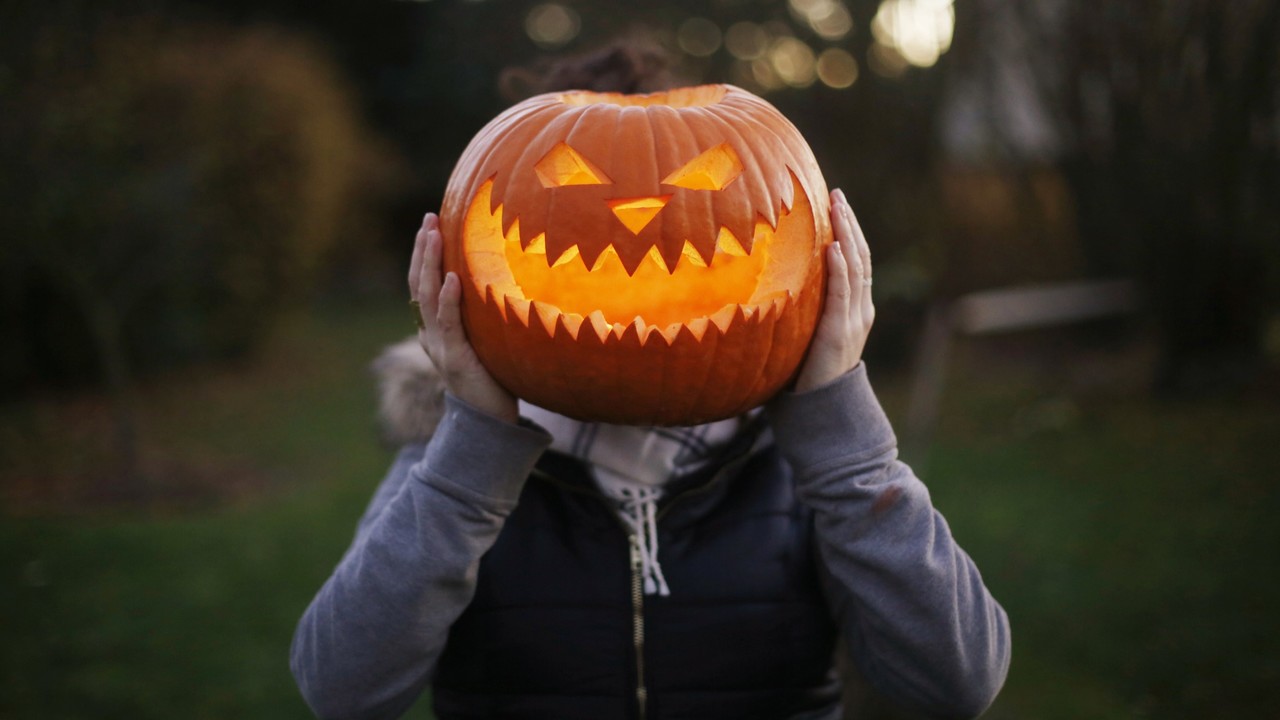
639	259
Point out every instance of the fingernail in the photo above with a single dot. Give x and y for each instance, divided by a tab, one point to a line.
844	200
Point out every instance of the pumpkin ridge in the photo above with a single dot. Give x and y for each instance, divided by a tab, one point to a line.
759	189
519	125
543	141
799	150
779	194
702	126
593	122
678	218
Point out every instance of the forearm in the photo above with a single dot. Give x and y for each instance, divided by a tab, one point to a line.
918	620
369	642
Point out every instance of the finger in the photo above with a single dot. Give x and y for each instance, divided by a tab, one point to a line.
449	318
419	247
864	249
838	288
429	278
844	226
866	304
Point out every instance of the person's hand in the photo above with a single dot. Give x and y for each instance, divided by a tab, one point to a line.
848	312
441	332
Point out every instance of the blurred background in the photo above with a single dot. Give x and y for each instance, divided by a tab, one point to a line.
207	210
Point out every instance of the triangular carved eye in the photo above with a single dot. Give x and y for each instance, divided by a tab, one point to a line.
564	166
712	170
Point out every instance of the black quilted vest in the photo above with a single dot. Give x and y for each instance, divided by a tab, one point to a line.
552	631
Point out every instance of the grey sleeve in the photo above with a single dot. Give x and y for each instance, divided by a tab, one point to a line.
917	618
368	643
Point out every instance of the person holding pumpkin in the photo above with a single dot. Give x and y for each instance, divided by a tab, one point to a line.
523	564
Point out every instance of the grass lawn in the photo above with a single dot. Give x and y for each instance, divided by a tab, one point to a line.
188	613
1133	543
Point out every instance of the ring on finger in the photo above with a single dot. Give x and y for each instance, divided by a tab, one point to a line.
417	313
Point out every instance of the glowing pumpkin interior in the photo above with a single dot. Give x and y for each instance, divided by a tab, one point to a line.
661	298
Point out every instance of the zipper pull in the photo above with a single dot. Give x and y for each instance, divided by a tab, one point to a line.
637	560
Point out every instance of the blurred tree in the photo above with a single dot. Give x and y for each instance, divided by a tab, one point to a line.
170	191
428	75
1168	115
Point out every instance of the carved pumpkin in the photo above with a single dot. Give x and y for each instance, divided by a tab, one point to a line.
639	259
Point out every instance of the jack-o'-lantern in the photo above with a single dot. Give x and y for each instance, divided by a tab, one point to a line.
640	259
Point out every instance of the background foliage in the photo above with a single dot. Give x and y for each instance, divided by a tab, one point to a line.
170	190
207	210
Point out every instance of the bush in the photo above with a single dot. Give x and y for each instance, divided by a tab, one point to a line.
172	191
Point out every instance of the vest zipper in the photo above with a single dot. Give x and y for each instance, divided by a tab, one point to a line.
637	562
637	621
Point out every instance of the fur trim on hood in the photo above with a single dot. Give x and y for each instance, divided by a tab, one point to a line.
410	393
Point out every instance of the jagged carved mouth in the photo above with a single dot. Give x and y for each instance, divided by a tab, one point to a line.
661	299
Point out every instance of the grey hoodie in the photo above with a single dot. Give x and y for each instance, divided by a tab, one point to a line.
915	615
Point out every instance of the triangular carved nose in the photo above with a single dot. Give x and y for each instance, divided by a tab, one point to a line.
635	213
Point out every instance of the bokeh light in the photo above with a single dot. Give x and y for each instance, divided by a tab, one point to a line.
886	61
746	40
766	77
918	30
551	25
834	24
829	19
793	61
837	68
699	37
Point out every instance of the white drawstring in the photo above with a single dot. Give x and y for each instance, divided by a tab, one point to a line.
631	465
639	510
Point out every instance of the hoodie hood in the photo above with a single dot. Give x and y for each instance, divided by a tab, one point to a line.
410	393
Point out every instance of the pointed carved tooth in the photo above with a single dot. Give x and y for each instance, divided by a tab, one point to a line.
548	314
742	229
606	255
568	256
572	323
727	243
766	310
538	246
599	325
618	329
763	231
506	222
492	296
723	317
671	331
520	307
513	233
655	257
697	326
773	307
690	253
642	329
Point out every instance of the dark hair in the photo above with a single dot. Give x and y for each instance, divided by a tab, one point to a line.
634	64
